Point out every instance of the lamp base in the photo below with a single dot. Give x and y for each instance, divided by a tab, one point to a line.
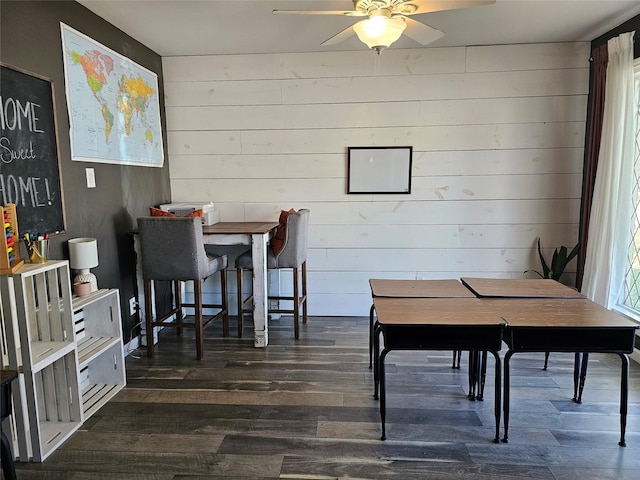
87	277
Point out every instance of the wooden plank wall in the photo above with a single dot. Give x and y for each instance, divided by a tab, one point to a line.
497	135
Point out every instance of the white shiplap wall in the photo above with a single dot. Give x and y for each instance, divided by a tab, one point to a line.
497	135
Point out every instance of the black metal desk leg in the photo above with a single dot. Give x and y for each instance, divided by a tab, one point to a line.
456	359
371	310
383	393
507	357
498	396
483	376
576	375
473	374
583	375
624	395
376	359
546	360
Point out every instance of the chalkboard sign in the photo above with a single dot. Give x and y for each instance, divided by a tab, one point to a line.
29	166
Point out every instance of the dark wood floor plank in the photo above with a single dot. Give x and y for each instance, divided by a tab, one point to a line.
136	463
152	443
577	473
309	447
383	469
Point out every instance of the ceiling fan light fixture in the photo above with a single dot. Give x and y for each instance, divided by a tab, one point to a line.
379	32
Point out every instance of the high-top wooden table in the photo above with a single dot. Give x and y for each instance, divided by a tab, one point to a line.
257	235
437	324
565	325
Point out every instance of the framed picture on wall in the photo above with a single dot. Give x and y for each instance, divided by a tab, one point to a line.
379	169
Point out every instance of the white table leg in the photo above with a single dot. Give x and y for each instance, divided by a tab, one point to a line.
260	309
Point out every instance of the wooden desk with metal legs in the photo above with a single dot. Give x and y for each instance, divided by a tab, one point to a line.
448	288
533	288
565	325
436	324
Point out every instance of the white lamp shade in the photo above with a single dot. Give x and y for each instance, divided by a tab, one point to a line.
83	253
378	32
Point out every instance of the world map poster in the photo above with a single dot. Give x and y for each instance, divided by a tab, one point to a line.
113	104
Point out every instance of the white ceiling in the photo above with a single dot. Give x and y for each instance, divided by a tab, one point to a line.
206	27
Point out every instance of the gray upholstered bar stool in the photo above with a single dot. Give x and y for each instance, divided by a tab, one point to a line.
172	249
293	254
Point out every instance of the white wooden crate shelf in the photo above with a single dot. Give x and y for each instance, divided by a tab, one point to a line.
55	412
67	349
100	351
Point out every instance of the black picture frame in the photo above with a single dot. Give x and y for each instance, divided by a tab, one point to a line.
379	170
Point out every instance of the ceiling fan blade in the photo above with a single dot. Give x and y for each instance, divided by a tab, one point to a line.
421	33
339	37
345	13
415	7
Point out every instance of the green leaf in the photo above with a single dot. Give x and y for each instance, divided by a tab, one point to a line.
559	261
545	267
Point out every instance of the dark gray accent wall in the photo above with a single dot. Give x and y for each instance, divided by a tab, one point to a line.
30	40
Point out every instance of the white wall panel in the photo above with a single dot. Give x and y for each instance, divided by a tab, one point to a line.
381	114
497	135
444	260
531	83
423	188
257	117
380	236
317	165
542	56
462	137
401	212
517	236
305	65
200	93
426	163
441	236
494	162
483	187
360	213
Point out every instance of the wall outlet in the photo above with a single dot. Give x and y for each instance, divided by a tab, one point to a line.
91	177
132	306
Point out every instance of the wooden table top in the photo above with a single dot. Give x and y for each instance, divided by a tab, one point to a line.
520	287
419	288
557	312
435	311
238	228
512	312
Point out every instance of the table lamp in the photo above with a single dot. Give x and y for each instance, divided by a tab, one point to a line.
83	255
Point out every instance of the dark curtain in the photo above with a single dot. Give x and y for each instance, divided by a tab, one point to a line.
595	111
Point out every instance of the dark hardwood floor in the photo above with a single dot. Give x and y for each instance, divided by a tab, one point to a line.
304	410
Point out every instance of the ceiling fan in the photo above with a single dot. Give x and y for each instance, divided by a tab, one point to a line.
388	19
